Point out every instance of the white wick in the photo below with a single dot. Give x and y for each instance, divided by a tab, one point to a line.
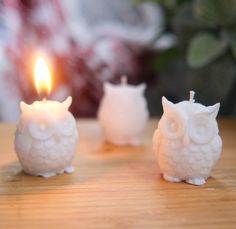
191	96
123	80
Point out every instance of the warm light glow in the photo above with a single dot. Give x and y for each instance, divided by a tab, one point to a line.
42	76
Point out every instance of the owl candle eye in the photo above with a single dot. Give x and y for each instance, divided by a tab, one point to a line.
201	129
172	126
40	129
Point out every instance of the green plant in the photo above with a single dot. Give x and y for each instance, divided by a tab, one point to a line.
206	29
205	53
217	17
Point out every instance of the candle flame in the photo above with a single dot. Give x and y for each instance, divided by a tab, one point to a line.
42	76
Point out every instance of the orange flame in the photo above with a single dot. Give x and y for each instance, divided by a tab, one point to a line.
42	76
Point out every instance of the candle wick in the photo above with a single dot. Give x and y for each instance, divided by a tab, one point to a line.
43	95
191	97
124	80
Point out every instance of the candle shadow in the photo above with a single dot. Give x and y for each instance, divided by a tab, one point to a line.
14	181
106	157
107	149
91	165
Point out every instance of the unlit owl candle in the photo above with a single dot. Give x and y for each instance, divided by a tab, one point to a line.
123	113
187	141
46	135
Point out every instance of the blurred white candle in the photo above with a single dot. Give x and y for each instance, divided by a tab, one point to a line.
46	135
123	113
187	141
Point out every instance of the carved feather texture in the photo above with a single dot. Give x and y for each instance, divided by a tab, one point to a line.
46	148
187	142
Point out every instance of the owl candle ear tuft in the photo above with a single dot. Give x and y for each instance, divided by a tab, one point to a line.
141	88
167	105
67	102
107	87
213	110
24	107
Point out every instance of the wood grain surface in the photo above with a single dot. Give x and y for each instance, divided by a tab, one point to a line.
115	187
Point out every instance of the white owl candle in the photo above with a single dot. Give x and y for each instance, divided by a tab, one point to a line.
187	141
46	135
123	113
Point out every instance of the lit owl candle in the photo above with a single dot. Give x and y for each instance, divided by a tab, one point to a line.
187	141
46	135
123	113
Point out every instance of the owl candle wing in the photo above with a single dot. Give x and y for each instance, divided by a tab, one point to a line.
156	140
67	126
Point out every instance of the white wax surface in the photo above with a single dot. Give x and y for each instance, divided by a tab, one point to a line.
187	141
123	113
46	137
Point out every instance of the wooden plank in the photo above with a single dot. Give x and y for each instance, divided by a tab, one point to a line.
115	187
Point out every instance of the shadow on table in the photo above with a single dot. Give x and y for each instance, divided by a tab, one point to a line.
90	167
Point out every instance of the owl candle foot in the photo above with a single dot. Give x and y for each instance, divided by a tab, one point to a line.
171	178
69	169
118	142
46	175
196	181
135	142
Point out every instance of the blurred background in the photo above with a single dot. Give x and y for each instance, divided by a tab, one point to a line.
172	45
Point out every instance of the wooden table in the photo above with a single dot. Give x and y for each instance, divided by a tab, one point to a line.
115	187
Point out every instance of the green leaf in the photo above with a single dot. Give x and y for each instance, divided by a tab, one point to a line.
215	12
164	58
184	24
170	4
233	49
203	49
